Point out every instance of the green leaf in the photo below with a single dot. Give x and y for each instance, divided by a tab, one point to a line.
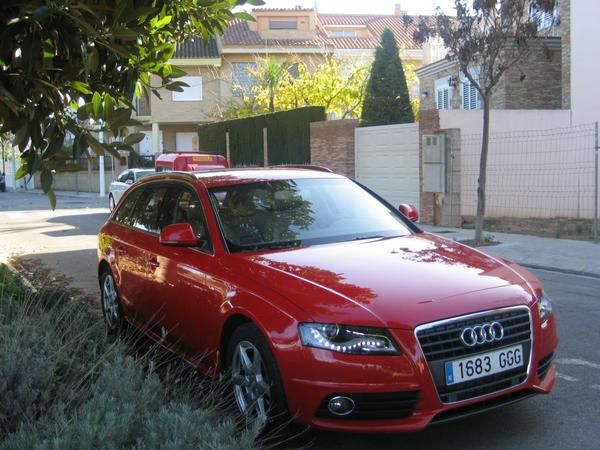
133	138
46	180
109	107
82	113
161	23
52	199
120	117
243	15
176	86
125	34
96	104
80	86
21	172
176	72
22	134
96	146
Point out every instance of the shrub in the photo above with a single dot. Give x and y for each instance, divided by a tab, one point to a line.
63	386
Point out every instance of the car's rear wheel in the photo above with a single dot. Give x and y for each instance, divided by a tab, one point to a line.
111	304
111	202
255	378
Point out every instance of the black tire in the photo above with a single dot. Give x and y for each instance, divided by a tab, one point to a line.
111	202
275	404
112	311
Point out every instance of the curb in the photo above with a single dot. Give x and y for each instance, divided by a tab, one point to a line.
564	271
19	275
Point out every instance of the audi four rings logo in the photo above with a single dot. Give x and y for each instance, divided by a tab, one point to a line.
481	334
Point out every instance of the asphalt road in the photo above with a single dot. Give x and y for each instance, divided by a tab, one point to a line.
569	418
63	241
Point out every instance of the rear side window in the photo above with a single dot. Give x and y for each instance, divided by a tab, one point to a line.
124	214
145	214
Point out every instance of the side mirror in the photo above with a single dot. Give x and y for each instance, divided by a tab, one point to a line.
178	234
129	181
409	211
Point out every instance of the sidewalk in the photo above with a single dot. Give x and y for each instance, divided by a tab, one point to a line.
563	255
67	199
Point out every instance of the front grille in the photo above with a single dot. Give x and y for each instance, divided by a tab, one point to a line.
440	342
386	405
544	365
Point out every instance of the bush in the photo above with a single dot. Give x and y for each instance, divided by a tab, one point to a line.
62	385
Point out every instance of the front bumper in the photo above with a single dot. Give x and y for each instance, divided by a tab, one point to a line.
401	386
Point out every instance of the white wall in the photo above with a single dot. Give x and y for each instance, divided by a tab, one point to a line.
387	161
585	61
503	120
538	165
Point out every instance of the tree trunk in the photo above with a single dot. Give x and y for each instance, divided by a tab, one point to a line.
482	171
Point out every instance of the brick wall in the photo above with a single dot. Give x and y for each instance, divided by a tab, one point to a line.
332	145
541	87
429	122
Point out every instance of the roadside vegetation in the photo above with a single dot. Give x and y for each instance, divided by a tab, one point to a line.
64	385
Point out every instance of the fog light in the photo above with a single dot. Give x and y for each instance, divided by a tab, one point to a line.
340	406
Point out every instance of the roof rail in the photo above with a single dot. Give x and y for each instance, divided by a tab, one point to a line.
304	166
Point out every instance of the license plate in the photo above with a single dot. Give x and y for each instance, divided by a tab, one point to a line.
483	364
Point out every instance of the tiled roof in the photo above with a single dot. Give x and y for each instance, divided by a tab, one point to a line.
281	9
403	27
239	35
196	47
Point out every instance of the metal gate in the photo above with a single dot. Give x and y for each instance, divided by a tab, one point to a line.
387	161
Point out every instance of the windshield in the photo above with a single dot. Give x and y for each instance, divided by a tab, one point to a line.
288	213
144	173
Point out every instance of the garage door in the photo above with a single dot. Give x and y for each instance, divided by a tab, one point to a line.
387	161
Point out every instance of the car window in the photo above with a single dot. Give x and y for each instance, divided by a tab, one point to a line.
181	205
145	214
123	176
124	214
288	213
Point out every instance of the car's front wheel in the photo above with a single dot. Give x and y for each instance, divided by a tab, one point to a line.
111	304
111	202
255	378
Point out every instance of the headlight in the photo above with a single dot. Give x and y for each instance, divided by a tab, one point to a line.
348	339
544	308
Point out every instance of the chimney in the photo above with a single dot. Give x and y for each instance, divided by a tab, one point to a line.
398	10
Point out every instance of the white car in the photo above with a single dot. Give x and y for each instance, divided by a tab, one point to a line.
122	183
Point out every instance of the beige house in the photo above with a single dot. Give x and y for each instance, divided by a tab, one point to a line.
217	71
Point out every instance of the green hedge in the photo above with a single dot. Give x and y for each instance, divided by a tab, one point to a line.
288	137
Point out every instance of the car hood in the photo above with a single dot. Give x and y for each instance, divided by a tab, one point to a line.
396	282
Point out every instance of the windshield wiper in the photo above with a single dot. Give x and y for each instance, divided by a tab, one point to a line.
362	238
265	246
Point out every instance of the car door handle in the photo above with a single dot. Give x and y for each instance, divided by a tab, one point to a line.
153	263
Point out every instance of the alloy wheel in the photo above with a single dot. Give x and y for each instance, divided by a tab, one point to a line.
110	302
251	384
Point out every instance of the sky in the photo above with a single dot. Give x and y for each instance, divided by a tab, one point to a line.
412	7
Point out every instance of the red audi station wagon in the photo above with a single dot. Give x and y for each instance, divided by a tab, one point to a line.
321	301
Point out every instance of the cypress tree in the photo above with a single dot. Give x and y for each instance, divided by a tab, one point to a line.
386	100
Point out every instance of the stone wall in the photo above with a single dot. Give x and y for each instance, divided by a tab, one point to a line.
332	145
